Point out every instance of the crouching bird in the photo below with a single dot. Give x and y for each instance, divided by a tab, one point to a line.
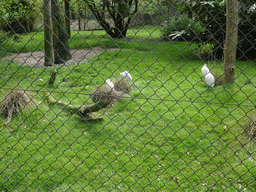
126	75
109	84
205	70
209	78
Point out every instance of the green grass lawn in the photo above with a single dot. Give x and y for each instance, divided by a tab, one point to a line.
171	133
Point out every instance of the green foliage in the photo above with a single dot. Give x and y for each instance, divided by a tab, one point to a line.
182	28
212	16
120	7
149	6
121	13
246	48
4	39
18	16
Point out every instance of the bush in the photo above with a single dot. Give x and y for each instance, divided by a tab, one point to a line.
212	16
3	40
18	16
182	28
246	47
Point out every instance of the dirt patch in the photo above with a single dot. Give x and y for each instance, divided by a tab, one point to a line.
36	59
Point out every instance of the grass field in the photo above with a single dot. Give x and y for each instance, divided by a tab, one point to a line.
171	133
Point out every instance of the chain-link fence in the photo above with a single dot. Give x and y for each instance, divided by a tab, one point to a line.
116	96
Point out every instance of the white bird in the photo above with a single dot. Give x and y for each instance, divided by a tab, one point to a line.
109	84
209	79
126	75
205	70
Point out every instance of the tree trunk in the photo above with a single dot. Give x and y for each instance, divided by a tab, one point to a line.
119	26
48	41
67	17
231	41
168	13
60	36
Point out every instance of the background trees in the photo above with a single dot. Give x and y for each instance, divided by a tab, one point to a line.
18	16
121	13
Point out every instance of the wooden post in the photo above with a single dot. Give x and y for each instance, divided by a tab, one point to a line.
79	17
231	41
53	76
84	20
48	34
67	16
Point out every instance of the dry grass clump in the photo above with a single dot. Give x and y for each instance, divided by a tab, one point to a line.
122	85
15	101
252	130
106	95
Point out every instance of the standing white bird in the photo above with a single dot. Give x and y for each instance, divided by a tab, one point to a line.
109	84
205	70
209	79
126	75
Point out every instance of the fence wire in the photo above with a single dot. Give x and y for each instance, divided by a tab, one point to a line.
127	95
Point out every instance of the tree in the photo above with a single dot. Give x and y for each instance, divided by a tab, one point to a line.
56	37
48	34
121	12
67	16
60	36
231	41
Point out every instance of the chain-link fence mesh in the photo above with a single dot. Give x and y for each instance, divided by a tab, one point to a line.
115	96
